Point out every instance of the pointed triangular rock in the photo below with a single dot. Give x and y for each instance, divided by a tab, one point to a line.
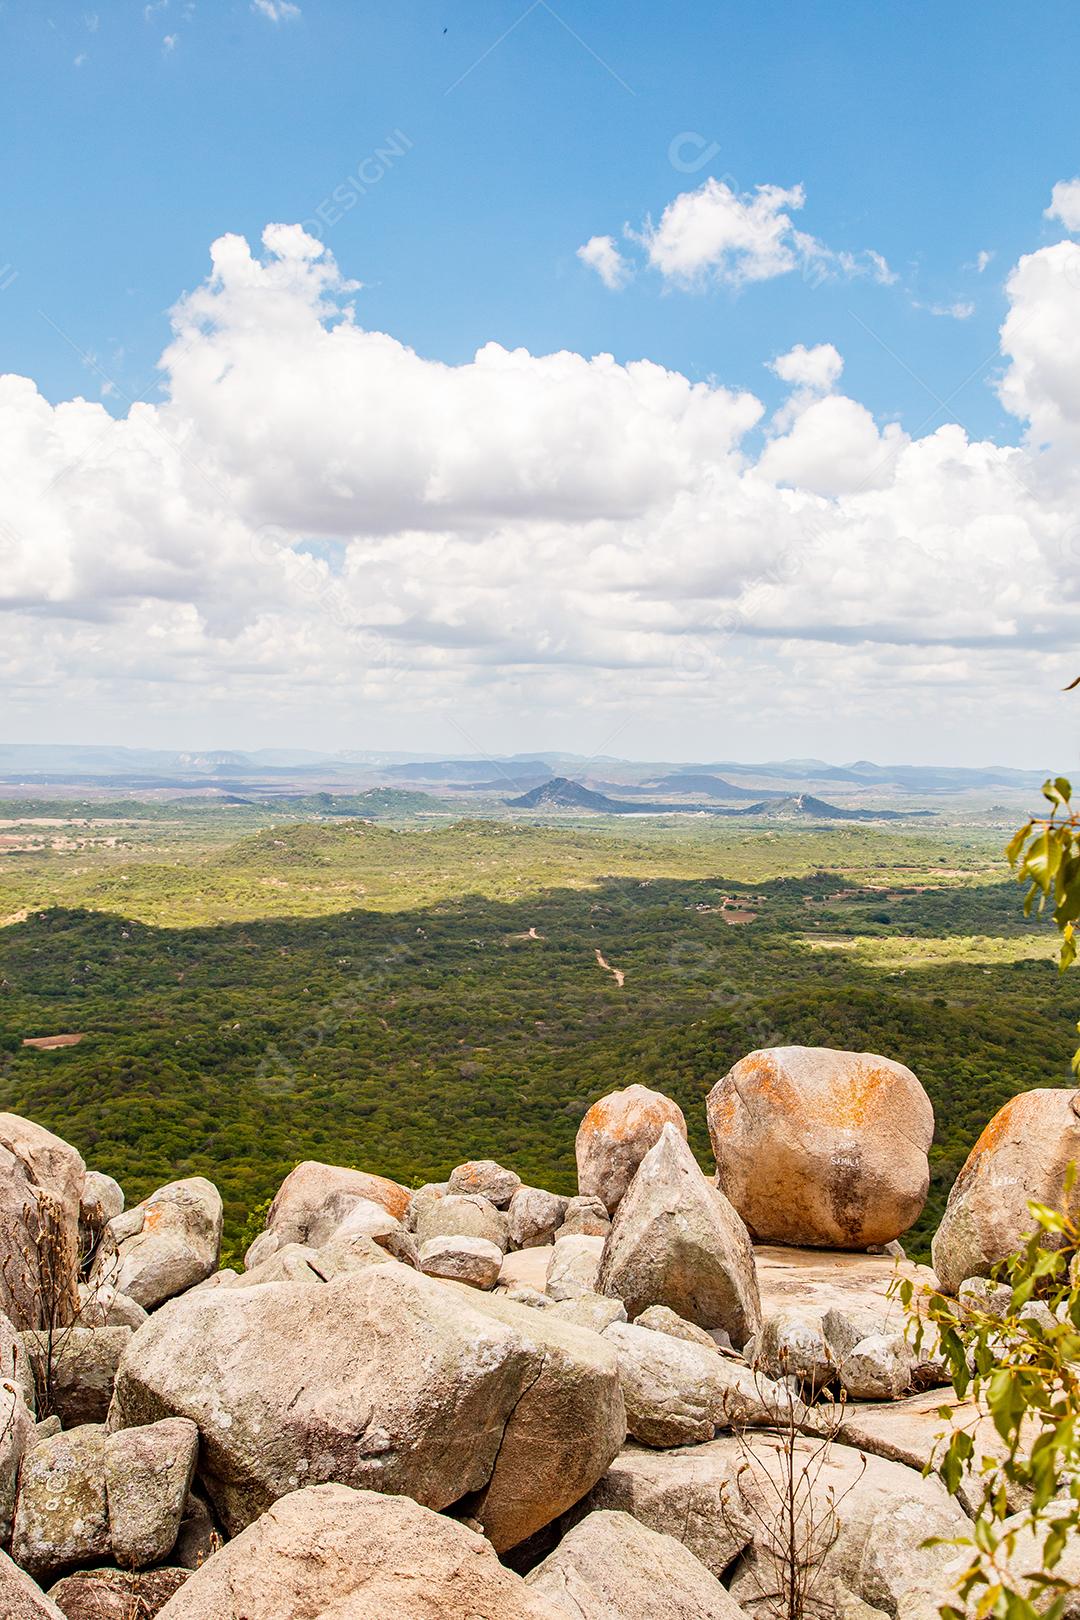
676	1241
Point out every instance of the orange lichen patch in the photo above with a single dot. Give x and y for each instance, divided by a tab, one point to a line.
152	1216
993	1133
49	1043
468	1178
722	1111
767	1079
854	1098
393	1198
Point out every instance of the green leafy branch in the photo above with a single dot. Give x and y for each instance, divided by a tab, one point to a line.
1016	1357
1045	854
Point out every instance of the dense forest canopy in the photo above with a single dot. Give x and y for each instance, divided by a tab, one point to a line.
401	998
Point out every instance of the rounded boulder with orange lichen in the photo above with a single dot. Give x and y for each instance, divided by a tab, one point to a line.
615	1136
1022	1156
822	1148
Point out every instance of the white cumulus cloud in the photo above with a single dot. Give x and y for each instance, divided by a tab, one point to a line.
601	254
1065	204
319	532
715	234
817	368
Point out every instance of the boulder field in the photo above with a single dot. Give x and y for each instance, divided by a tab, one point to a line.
480	1397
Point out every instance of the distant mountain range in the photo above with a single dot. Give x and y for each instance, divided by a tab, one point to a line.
560	793
151	768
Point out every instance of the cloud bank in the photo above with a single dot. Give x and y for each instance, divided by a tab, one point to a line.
317	529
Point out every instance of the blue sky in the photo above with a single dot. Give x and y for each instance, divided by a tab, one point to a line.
915	130
551	551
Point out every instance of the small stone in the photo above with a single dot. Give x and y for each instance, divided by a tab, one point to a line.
429	1193
102	1198
470	1260
978	1296
674	1390
662	1320
878	1368
533	1216
486	1178
104	1306
523	1294
585	1217
792	1345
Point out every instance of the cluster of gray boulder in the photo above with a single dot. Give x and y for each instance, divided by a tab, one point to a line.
480	1398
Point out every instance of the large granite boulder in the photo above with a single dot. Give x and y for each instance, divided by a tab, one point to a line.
313	1200
41	1184
164	1245
75	1369
1021	1156
615	1136
584	1216
860	1521
676	1241
148	1474
62	1515
822	1148
674	1391
21	1598
332	1551
380	1378
611	1567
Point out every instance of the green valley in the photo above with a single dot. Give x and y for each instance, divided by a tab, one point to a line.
401	996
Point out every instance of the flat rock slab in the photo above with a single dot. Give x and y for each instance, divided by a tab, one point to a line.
818	1280
912	1431
909	1431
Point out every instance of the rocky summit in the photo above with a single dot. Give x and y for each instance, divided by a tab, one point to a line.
483	1398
